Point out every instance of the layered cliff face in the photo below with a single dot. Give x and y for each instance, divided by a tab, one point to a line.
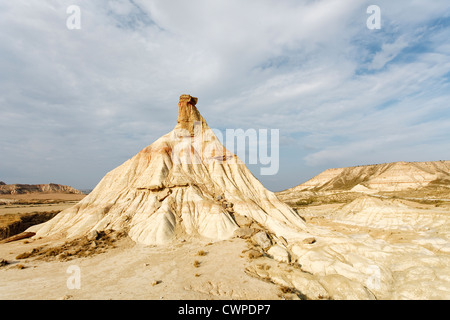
36	188
185	184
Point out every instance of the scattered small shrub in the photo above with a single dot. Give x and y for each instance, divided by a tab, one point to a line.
156	282
77	248
304	202
285	289
253	254
28	254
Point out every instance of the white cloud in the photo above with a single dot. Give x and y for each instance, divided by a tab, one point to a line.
388	52
312	69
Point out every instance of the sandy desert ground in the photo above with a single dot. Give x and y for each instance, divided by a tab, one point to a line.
189	270
126	270
409	236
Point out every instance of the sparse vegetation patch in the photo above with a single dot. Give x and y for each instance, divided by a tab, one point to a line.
77	248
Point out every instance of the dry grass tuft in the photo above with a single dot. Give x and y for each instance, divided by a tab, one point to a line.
3	262
77	248
254	254
202	253
285	289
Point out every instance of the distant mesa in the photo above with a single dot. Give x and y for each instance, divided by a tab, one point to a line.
387	177
36	188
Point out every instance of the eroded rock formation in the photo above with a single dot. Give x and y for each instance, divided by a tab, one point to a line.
185	184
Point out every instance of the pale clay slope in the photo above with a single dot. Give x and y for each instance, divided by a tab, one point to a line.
413	242
410	239
159	198
374	212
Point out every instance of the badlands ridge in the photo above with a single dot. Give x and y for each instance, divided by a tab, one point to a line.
397	176
36	188
342	235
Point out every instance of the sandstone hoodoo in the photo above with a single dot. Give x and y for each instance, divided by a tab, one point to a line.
185	184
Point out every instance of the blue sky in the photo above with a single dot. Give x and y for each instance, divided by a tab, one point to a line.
75	104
